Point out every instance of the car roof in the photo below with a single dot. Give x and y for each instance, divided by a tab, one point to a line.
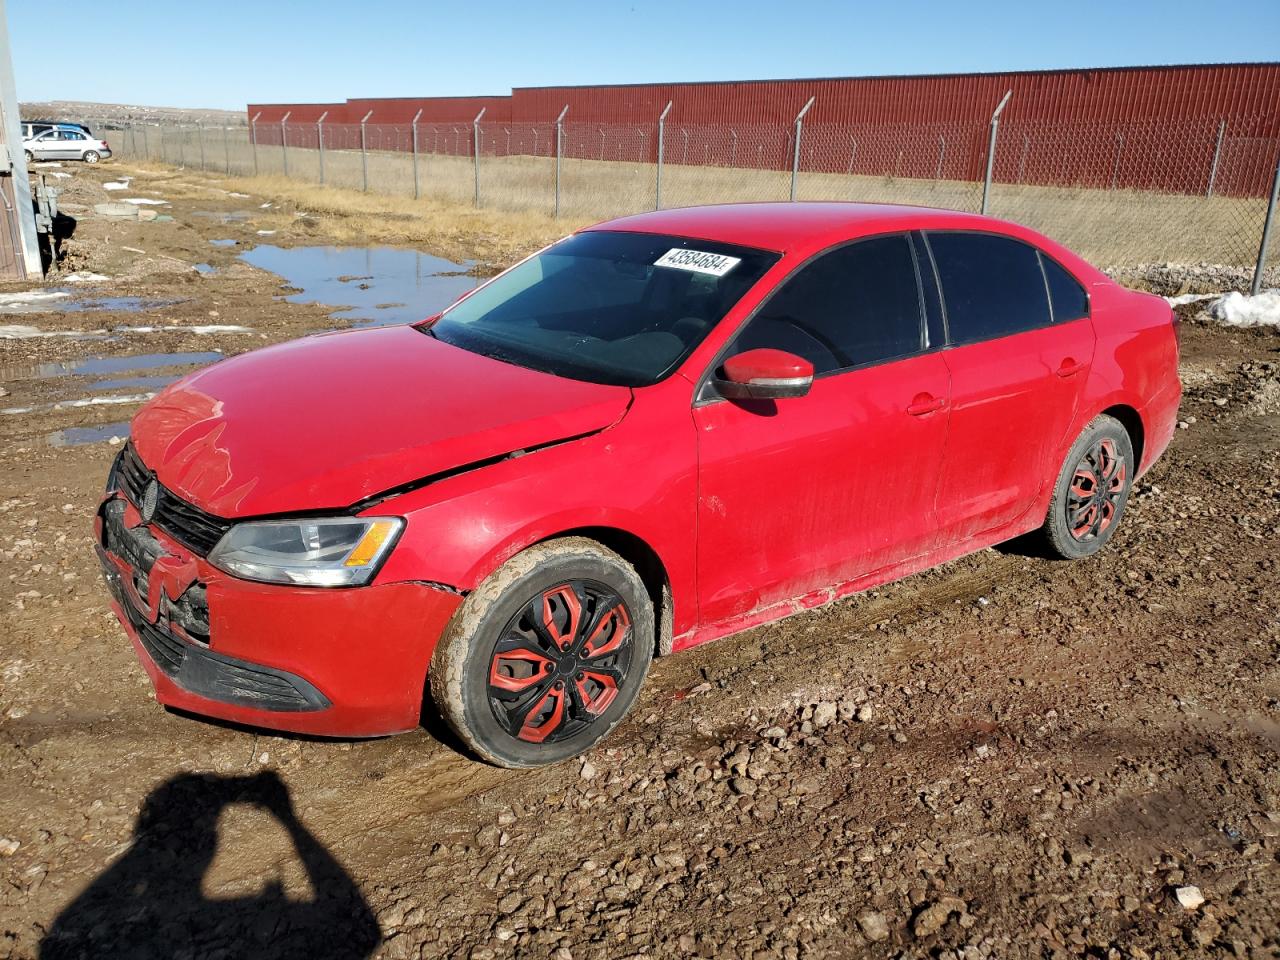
806	227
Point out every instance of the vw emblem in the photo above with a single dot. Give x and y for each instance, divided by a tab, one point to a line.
150	497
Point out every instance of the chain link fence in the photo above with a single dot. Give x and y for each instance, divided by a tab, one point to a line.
1121	194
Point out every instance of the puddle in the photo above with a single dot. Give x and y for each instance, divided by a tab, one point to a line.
117	304
372	286
47	301
105	366
238	216
78	436
224	243
205	269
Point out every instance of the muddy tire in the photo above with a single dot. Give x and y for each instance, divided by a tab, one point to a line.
30	157
546	656
1091	491
91	156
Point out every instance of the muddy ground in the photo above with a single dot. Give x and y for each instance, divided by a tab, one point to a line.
1004	757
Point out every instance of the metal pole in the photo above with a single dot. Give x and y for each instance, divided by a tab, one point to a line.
795	157
200	134
182	148
942	152
364	153
991	151
413	126
1266	233
320	143
146	145
1022	163
662	125
475	138
226	147
733	153
853	153
253	136
284	141
1217	152
559	153
1115	167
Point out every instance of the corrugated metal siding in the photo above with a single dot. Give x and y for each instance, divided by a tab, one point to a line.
1094	127
1122	93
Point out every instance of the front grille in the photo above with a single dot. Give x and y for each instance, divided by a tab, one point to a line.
192	527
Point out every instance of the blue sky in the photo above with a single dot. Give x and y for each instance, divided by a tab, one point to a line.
230	52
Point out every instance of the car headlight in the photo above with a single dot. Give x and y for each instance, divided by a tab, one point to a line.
313	552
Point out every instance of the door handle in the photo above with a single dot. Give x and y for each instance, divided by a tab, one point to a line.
1069	367
925	403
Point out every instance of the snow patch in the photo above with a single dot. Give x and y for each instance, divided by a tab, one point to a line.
116	185
24	298
266	233
196	328
84	276
82	402
1182	298
145	202
18	331
1237	310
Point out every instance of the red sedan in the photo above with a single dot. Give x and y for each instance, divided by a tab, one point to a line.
658	431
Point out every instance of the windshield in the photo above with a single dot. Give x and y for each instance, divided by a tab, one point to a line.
608	307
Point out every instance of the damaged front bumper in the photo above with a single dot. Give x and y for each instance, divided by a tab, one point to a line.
330	662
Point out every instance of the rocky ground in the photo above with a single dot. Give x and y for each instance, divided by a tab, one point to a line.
1004	757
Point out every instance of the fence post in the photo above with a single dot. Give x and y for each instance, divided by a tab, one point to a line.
200	136
1217	152
662	128
146	145
1266	233
475	145
226	147
559	153
253	137
284	141
942	152
364	153
320	143
991	151
413	126
795	157
1115	167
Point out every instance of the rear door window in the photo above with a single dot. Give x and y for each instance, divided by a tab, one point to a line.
1069	300
853	306
992	286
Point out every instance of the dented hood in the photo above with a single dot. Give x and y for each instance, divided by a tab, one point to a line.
326	421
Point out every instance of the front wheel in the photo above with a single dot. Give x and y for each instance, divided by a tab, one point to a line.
30	157
91	156
1091	491
547	656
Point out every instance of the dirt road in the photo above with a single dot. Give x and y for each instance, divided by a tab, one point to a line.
1005	757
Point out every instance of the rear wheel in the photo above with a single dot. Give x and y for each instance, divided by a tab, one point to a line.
91	156
547	656
1091	491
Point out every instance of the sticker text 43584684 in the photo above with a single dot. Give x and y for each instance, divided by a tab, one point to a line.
698	261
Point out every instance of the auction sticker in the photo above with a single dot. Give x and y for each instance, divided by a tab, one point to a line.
698	261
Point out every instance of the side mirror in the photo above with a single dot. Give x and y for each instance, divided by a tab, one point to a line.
765	374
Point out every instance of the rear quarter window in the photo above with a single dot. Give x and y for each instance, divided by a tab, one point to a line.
992	286
1068	297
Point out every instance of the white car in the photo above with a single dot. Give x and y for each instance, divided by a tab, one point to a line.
65	143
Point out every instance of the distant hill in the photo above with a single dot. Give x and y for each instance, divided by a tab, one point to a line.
79	111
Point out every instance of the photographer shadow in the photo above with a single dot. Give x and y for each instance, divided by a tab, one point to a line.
150	902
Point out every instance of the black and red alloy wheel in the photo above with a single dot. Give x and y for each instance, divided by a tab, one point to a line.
1097	490
561	661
